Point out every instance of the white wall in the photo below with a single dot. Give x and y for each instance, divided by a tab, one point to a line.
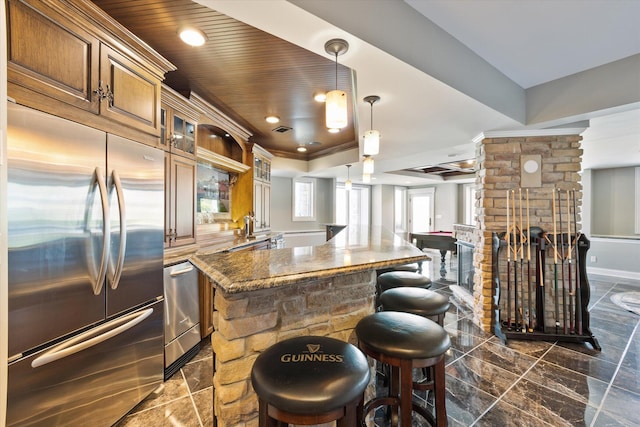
446	207
614	257
282	199
382	206
376	201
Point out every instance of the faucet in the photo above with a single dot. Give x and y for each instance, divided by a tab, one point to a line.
249	222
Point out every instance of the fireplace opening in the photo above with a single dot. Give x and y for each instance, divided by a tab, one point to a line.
465	266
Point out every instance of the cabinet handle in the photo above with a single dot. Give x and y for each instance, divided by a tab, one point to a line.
104	93
109	96
100	92
173	141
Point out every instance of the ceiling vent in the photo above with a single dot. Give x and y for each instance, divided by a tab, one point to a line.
282	129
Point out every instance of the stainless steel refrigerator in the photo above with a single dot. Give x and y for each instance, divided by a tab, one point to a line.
85	232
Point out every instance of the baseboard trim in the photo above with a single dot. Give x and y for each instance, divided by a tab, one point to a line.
615	273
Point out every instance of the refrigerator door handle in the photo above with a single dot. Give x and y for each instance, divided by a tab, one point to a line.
116	272
97	279
91	338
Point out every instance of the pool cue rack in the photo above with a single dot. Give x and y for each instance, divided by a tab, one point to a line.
542	293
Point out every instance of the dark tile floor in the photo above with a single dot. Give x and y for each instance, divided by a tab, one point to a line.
522	383
186	399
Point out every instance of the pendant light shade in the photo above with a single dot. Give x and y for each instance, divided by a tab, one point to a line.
347	183
366	178
371	137
371	143
336	109
336	102
367	165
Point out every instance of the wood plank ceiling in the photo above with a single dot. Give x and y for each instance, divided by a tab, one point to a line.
246	73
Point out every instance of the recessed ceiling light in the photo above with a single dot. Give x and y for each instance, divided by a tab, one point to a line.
301	148
334	130
320	97
272	119
192	36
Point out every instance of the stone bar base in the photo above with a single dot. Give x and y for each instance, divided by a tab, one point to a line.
247	323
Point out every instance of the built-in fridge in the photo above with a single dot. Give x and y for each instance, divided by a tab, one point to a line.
85	247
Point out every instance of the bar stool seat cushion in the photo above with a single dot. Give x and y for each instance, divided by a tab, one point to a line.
413	267
402	335
396	279
422	302
310	374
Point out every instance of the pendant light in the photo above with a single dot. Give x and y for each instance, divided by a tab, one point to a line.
347	183
367	165
336	101
371	137
366	178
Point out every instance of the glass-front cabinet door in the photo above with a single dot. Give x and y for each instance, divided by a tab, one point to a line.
257	167
164	132
184	135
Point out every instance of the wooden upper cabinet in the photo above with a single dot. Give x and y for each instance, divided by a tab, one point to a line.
179	123
70	59
52	56
129	94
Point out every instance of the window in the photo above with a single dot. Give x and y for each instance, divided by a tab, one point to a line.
352	207
613	202
304	206
400	209
469	204
637	200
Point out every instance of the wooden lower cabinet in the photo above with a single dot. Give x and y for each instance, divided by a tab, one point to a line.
262	205
180	201
206	293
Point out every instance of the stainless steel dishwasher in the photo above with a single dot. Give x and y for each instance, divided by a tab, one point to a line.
182	316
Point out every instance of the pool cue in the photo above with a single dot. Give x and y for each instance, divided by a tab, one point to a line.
577	267
555	257
571	295
508	267
564	288
522	295
529	265
540	319
515	261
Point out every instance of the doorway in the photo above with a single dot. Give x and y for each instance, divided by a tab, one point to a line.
421	210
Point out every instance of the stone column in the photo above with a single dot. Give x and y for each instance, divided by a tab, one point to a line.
500	157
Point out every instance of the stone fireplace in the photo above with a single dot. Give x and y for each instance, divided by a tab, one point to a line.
500	167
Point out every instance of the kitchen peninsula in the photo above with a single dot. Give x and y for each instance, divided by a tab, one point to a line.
262	297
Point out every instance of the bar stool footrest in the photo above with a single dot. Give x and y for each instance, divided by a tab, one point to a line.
424	413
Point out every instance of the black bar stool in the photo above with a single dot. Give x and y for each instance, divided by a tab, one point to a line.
396	279
406	341
423	302
413	267
310	380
